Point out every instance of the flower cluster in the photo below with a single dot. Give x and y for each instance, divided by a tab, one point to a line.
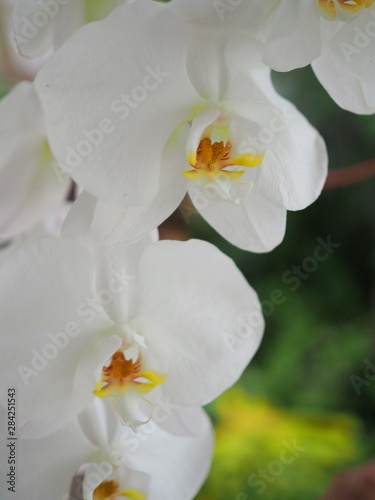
114	339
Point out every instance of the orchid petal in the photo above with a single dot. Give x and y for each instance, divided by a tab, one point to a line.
109	128
346	88
47	325
253	223
190	314
28	184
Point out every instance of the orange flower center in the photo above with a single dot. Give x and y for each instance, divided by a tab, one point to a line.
211	159
122	373
329	7
121	370
107	490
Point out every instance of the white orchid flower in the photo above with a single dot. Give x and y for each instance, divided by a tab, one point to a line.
94	457
336	36
29	185
346	67
174	316
174	108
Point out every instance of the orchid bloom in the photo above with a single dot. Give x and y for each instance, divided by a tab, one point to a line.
135	326
336	36
29	185
175	108
346	67
94	457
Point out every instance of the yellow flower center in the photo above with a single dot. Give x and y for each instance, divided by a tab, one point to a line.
122	373
328	8
211	159
109	490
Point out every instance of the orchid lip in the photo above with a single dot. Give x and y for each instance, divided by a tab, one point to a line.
121	374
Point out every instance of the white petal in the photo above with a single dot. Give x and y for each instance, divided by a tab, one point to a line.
173	419
116	263
345	88
177	466
252	224
118	224
131	409
47	325
52	222
130	108
12	65
295	165
45	467
41	27
248	15
28	184
291	35
98	423
192	303
181	468
353	45
77	225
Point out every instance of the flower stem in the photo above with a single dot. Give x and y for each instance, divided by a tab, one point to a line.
350	175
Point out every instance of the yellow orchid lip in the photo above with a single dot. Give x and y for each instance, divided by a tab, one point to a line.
211	160
329	7
110	490
122	374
